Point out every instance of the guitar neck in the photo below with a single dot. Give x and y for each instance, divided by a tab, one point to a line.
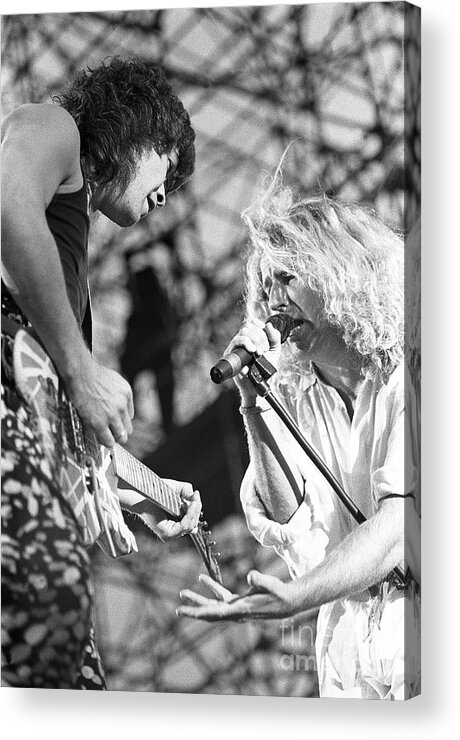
32	367
144	480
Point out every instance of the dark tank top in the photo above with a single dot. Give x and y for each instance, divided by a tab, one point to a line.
67	217
68	221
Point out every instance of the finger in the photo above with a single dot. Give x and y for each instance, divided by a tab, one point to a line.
119	432
194	612
187	493
127	424
168	530
105	437
191	518
194	501
241	340
214	611
222	593
207	613
274	336
264	583
190	497
251	336
191	508
130	404
258	337
195	513
182	488
192	598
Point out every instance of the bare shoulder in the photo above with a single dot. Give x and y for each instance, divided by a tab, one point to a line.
46	137
45	118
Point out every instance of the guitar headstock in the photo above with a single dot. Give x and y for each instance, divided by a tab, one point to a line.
205	545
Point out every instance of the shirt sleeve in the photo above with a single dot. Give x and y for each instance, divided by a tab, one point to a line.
298	542
394	472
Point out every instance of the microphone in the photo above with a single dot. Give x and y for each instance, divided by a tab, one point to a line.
232	363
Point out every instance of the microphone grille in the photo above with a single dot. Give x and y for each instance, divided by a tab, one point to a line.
283	323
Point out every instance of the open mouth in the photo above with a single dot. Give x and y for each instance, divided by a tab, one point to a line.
301	331
298	323
295	330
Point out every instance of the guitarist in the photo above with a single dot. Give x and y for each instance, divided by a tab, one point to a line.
116	141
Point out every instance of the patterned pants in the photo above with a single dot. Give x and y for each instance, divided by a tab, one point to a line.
47	600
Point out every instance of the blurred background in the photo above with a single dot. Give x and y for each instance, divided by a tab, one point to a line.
340	84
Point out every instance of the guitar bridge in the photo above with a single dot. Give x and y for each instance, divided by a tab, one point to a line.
72	430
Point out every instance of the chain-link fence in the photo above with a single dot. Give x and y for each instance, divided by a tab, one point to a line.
338	84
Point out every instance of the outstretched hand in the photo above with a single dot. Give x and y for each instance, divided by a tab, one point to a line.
267	598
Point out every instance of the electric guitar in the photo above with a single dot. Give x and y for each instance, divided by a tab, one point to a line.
86	471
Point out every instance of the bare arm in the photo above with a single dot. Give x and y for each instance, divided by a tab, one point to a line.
278	484
41	156
365	557
362	559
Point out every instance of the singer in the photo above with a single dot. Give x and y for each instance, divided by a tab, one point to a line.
337	270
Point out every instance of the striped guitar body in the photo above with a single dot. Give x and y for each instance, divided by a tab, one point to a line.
85	471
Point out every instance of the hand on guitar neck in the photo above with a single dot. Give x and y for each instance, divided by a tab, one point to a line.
145	493
170	508
154	517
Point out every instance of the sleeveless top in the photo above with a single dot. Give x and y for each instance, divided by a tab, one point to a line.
68	221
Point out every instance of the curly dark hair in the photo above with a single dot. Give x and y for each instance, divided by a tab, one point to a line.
123	109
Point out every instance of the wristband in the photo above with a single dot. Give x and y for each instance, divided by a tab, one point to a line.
253	410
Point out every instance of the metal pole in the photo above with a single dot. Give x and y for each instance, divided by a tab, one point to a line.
257	371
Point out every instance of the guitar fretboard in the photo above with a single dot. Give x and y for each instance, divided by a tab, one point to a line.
35	377
138	475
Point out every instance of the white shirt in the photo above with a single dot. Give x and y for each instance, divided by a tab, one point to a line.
371	460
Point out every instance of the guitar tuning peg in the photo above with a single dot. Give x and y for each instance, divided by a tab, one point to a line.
204	523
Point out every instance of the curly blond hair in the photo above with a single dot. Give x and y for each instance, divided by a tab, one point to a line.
413	302
346	254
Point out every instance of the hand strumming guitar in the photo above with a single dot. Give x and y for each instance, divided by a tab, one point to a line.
103	399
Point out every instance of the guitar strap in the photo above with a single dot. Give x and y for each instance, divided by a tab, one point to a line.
87	323
11	327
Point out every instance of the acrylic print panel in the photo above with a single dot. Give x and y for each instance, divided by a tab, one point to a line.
333	610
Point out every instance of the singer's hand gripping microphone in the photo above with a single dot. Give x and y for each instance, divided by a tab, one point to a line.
232	364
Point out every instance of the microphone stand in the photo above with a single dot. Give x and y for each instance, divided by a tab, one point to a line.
260	371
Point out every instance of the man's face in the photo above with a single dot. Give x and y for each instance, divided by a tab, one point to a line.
286	293
145	192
